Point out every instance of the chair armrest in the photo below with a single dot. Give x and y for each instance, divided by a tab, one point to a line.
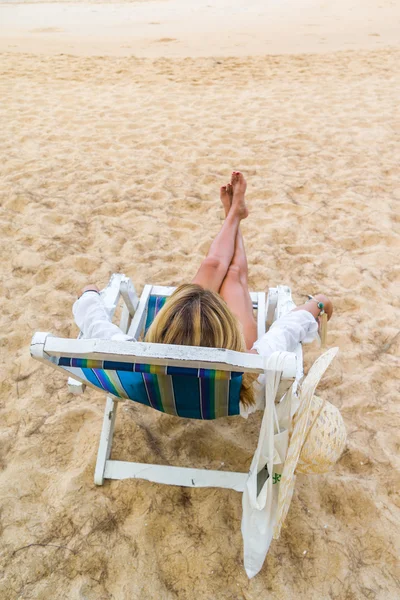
119	285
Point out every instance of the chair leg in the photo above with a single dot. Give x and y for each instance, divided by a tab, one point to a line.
106	437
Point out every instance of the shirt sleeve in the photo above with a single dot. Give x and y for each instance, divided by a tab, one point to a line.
288	331
284	335
94	321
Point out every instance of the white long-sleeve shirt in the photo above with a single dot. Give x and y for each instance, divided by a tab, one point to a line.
93	319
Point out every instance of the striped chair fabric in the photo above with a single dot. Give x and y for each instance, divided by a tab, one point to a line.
184	392
155	304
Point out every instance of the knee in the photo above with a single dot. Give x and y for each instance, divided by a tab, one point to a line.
212	263
233	274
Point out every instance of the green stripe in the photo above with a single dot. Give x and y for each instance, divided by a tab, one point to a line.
221	389
167	394
114	377
105	381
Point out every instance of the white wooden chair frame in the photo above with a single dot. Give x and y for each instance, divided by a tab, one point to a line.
46	348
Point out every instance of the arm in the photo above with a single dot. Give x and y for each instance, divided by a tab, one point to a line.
290	330
298	326
92	318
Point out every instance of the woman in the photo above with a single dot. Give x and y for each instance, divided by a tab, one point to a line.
215	310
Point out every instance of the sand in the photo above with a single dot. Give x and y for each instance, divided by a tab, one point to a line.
112	164
181	28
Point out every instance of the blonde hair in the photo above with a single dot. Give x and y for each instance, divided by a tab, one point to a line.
193	316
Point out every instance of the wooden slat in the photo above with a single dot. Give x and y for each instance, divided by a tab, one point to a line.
254	297
163	354
162	290
129	295
116	469
125	319
107	431
272	301
139	320
261	315
299	365
111	293
75	387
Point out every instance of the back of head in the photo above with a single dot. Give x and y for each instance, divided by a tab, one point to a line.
193	316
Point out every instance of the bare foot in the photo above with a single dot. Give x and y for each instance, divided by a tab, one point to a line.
229	189
239	186
226	198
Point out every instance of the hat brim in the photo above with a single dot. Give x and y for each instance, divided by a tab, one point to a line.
298	435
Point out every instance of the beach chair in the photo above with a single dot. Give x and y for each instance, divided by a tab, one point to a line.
189	382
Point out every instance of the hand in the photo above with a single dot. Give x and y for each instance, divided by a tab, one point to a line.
328	306
312	306
90	288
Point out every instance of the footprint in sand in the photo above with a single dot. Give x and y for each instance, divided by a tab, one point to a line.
165	40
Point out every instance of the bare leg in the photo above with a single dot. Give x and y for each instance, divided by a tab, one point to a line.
234	288
239	258
214	267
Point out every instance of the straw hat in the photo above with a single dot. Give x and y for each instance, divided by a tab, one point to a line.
325	439
317	440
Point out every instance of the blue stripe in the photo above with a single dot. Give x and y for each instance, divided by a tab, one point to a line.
236	374
187	397
154	306
117	366
234	395
182	371
64	362
92	377
120	377
134	387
